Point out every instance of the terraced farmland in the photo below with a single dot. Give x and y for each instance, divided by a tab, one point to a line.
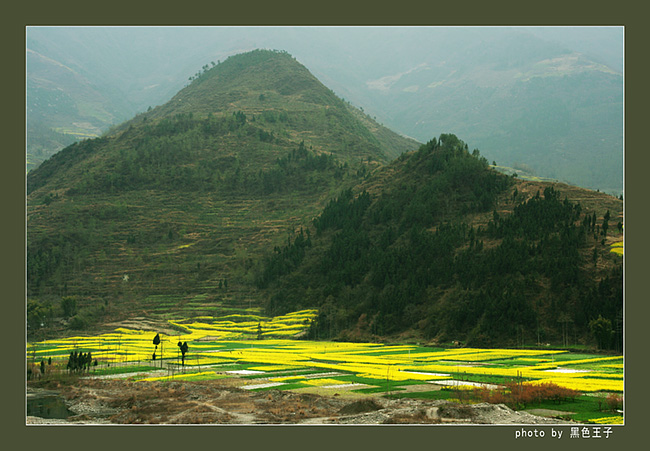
154	245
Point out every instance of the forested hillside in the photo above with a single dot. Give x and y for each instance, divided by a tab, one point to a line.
180	203
438	246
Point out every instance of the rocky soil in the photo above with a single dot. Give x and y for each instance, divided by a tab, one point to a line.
115	401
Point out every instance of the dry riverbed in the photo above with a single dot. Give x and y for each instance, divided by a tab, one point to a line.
120	401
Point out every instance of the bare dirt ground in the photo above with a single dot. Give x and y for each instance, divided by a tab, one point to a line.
112	401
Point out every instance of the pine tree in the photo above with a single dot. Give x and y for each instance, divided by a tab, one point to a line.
605	225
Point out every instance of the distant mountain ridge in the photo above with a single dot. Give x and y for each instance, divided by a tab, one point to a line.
474	82
551	110
62	107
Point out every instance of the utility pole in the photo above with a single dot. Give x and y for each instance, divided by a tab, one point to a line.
388	379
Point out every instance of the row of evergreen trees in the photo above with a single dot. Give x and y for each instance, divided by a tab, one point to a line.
80	361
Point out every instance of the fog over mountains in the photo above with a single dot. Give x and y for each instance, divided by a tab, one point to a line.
546	100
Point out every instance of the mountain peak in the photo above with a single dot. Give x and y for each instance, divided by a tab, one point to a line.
250	82
254	108
273	91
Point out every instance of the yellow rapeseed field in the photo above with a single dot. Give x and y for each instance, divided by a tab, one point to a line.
216	343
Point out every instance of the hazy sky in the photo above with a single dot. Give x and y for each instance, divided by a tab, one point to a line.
135	58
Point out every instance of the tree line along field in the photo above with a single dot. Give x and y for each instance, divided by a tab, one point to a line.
261	353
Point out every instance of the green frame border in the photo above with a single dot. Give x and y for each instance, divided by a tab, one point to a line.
334	12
